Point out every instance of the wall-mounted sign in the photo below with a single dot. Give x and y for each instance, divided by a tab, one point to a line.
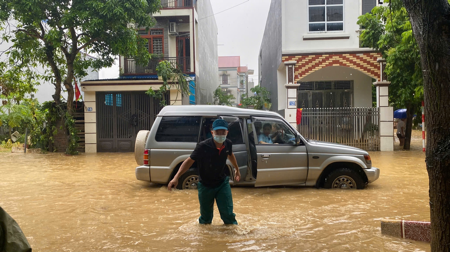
89	109
292	103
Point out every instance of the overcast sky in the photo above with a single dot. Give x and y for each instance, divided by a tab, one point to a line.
240	31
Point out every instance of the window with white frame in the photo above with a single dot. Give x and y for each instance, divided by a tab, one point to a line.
326	15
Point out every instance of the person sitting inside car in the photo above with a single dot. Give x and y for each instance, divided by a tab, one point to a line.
264	137
277	134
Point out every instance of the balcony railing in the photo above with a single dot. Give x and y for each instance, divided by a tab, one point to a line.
131	68
177	3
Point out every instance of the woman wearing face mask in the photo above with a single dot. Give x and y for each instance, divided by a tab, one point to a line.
211	156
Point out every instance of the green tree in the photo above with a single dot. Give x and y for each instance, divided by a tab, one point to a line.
16	83
431	25
171	76
259	101
221	97
388	29
55	34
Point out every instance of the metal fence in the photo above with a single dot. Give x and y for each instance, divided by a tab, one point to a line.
357	127
177	3
183	63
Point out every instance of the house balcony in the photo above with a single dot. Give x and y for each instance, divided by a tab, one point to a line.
178	4
131	68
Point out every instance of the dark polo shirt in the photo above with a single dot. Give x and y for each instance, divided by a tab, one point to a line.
211	162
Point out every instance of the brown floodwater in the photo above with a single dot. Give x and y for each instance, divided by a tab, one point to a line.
94	203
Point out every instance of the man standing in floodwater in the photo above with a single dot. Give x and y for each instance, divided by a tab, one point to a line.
211	156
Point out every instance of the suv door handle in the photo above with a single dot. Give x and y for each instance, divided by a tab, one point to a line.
265	156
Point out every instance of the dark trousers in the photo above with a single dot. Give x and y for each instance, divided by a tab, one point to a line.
222	195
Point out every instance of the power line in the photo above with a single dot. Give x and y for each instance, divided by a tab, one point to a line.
224	10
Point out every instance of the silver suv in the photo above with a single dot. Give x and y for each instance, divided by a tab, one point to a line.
269	151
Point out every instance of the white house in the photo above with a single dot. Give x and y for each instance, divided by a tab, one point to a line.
233	78
115	110
310	57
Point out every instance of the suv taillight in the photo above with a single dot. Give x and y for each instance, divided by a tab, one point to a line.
367	158
146	157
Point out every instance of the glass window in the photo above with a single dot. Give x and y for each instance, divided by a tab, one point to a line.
178	129
273	132
316	14
325	94
109	99
142	32
119	100
316	2
158	46
235	132
326	15
224	79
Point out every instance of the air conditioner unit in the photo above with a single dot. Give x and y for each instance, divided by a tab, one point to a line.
173	27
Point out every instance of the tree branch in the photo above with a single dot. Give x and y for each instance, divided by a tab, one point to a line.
88	43
35	35
42	29
74	43
82	34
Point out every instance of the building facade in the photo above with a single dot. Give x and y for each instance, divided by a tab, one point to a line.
310	57
234	78
115	110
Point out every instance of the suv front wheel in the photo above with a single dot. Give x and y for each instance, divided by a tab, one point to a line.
344	178
189	180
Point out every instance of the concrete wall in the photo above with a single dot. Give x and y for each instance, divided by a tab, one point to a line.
270	52
206	52
296	28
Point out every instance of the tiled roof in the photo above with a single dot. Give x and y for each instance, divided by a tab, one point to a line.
229	61
242	69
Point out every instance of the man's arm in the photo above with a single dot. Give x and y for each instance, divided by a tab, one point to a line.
183	168
233	161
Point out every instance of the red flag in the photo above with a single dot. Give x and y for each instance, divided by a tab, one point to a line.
77	91
299	116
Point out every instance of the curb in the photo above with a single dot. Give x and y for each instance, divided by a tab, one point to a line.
413	230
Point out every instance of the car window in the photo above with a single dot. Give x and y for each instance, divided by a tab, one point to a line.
178	129
234	131
273	132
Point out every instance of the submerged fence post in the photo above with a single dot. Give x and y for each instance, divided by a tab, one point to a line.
25	144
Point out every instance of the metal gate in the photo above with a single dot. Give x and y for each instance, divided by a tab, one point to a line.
120	116
353	126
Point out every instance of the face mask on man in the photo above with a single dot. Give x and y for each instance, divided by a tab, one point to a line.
220	138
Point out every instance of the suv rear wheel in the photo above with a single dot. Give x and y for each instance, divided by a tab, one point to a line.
344	178
189	180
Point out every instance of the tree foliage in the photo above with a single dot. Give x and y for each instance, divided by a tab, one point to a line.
57	33
221	97
259	101
171	76
16	82
388	29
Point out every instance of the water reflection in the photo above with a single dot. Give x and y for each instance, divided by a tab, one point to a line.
94	203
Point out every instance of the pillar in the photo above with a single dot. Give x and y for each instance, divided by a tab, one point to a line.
290	113
386	119
90	122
